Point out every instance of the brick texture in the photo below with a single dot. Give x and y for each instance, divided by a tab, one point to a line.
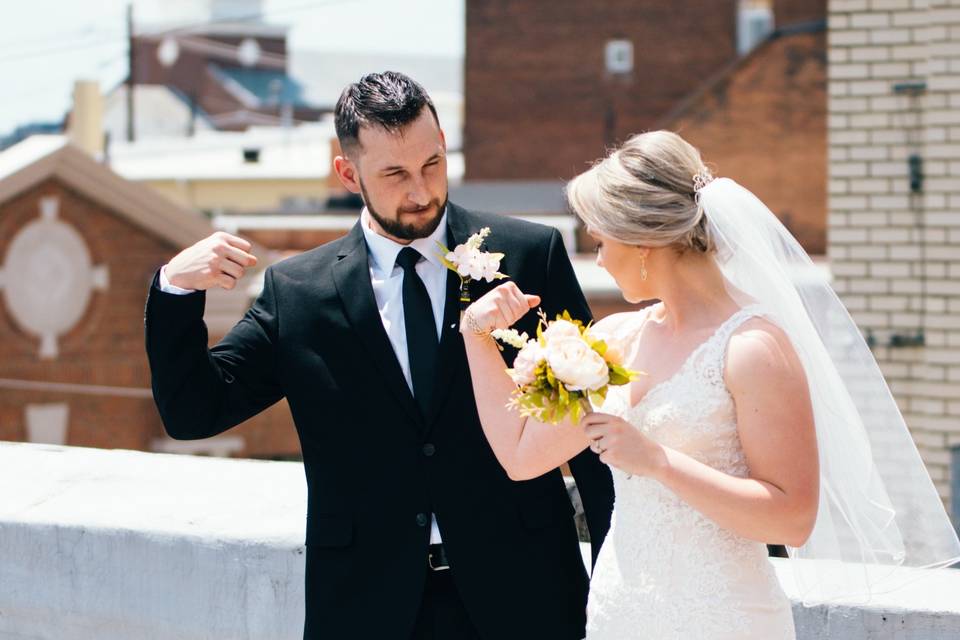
539	103
538	106
765	126
106	346
891	250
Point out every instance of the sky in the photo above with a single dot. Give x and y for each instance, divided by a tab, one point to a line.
51	43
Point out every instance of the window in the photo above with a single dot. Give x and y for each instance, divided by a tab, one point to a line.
619	56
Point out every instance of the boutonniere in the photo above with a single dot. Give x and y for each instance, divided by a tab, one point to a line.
470	263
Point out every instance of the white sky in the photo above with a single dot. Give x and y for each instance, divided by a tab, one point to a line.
51	43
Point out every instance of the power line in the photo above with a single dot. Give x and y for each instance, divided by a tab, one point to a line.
48	88
252	17
316	4
87	31
59	49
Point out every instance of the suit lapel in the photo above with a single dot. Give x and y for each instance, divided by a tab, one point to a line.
351	276
452	359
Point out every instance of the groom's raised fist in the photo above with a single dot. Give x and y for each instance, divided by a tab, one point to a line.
216	261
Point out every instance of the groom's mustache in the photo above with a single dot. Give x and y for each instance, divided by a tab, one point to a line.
435	204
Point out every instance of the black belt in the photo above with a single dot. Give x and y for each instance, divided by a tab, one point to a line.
437	558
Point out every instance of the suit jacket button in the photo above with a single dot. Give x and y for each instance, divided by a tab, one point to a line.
422	519
429	449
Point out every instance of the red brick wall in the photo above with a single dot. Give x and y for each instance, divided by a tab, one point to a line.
106	346
787	12
766	127
538	102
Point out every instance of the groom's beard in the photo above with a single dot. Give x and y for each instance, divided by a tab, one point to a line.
403	231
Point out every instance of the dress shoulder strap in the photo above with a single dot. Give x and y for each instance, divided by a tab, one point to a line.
715	352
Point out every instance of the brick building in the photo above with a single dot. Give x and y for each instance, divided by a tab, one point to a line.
762	122
546	93
540	102
233	92
894	223
227	66
78	248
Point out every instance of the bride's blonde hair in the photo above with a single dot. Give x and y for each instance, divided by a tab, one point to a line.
645	193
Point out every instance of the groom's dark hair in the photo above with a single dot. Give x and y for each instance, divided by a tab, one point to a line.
390	100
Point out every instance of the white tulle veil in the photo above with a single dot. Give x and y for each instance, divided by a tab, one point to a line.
879	510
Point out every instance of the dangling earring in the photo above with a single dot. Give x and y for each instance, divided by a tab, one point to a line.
643	267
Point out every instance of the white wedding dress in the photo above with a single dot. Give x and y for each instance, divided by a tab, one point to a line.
666	571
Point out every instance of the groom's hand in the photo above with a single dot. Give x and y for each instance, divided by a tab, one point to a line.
499	308
216	261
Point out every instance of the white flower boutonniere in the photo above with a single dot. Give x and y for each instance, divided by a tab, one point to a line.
470	263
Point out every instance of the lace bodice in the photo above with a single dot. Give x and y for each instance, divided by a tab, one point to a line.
665	570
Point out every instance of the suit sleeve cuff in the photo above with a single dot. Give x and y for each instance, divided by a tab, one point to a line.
166	287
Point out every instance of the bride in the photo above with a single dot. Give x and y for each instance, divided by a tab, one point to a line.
761	417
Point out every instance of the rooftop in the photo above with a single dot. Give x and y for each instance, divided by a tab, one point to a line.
122	544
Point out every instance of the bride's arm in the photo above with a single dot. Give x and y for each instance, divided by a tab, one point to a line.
524	447
777	502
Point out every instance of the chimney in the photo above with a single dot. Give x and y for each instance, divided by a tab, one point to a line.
85	128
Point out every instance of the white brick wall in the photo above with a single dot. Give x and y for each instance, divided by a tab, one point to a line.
896	255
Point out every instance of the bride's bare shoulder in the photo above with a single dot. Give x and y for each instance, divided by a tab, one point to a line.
759	352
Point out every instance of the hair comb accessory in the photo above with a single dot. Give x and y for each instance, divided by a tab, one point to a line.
702	179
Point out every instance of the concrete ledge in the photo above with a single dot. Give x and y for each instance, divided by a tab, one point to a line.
924	609
121	545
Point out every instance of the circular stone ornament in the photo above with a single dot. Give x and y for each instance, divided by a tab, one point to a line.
48	278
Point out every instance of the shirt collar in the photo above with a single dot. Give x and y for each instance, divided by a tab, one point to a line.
383	251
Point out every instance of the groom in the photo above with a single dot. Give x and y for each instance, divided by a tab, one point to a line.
413	528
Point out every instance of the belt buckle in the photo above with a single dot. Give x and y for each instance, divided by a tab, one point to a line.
441	567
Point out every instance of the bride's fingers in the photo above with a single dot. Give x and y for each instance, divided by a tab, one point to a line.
595	431
503	316
595	418
518	305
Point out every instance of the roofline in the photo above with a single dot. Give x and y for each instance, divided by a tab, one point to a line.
137	203
177	93
681	108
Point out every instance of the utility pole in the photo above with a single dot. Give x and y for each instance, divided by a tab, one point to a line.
131	135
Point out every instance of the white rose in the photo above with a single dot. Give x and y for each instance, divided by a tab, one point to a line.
526	363
576	365
615	346
561	329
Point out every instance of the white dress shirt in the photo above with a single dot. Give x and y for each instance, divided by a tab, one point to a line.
387	280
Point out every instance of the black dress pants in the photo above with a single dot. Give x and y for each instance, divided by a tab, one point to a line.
442	615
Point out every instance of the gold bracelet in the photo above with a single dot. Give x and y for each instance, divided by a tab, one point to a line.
470	321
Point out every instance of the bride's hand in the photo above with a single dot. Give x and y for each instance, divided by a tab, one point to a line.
622	445
499	308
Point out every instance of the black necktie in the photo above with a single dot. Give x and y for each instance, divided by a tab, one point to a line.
421	329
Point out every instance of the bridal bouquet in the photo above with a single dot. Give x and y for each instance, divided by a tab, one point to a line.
564	368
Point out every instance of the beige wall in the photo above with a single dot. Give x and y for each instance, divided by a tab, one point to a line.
894	253
238	195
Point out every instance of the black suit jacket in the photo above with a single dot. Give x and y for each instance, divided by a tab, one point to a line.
376	468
